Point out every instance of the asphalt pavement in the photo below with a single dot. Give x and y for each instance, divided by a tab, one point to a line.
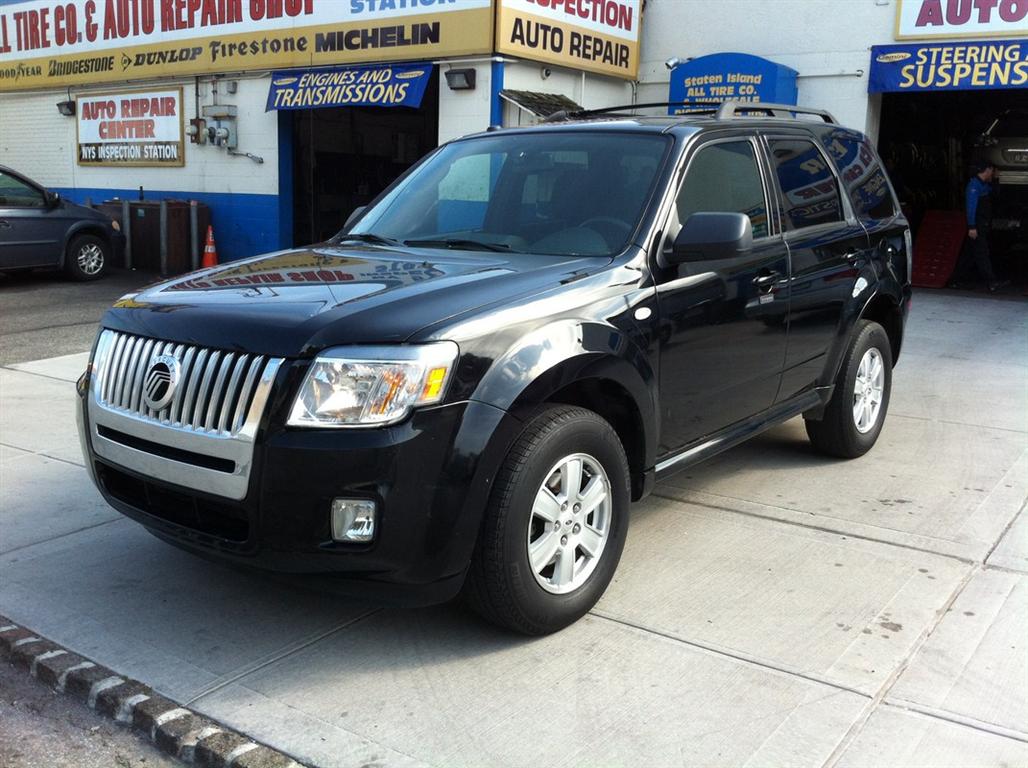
44	314
772	607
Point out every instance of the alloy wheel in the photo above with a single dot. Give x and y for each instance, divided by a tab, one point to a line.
868	389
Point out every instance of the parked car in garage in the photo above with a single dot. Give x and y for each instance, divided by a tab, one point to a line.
1005	144
39	229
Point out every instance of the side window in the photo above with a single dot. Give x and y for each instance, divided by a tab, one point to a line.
810	190
18	194
724	178
862	175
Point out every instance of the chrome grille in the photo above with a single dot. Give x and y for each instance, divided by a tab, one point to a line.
213	395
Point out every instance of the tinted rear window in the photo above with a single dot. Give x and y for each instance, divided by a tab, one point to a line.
808	185
862	175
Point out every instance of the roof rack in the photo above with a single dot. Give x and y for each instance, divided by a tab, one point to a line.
705	107
722	110
732	109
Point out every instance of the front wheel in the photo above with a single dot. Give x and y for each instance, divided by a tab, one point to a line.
854	417
88	257
558	517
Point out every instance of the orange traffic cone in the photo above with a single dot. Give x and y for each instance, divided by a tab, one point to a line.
210	253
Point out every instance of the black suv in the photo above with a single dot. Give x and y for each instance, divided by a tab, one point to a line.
38	229
465	390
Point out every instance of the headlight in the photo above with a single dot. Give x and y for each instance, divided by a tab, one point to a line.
371	386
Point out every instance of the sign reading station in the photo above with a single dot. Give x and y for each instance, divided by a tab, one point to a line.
595	35
398	86
134	128
998	64
927	19
58	43
723	77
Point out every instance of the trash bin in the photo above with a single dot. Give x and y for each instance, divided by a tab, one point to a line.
144	233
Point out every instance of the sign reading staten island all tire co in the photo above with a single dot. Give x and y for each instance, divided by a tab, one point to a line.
57	43
595	35
933	19
133	128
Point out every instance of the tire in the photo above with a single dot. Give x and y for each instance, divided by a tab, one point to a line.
844	431
88	258
502	585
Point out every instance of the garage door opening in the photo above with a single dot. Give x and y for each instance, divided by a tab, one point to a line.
344	156
930	142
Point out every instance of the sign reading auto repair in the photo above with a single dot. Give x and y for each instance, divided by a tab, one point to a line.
928	19
595	35
57	43
140	128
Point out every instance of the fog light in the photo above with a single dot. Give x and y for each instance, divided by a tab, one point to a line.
353	520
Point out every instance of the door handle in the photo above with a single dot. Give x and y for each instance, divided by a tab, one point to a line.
852	256
766	280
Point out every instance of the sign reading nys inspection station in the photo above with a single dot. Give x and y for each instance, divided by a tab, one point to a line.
56	43
595	35
931	19
138	128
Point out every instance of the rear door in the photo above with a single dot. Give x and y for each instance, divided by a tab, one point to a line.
722	322
31	232
827	246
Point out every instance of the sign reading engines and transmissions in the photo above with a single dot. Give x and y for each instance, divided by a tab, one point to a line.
140	128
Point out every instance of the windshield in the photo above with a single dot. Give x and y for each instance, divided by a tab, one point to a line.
559	193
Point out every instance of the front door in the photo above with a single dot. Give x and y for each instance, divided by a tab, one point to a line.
30	230
723	329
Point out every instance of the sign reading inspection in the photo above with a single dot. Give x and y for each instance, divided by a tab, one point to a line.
949	66
57	43
354	87
138	128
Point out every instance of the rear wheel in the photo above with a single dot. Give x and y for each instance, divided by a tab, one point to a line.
87	258
854	417
553	534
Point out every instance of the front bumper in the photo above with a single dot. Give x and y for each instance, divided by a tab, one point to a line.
430	475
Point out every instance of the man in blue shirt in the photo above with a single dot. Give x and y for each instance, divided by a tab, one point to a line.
978	204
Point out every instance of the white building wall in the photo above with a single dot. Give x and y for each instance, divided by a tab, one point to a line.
41	143
827	41
464	112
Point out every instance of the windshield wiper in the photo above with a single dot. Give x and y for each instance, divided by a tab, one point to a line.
368	237
455	242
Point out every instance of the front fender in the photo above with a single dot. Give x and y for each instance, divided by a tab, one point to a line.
567	352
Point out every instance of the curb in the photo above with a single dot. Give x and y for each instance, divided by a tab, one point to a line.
175	730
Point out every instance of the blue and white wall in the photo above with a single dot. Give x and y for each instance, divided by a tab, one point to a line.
247	211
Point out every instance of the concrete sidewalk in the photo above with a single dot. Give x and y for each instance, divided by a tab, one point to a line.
772	607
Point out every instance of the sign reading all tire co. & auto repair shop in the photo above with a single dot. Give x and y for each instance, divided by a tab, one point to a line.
140	128
595	35
931	19
57	43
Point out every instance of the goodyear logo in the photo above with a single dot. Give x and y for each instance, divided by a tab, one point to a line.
889	58
380	86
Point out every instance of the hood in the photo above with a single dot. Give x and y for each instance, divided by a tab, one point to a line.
300	301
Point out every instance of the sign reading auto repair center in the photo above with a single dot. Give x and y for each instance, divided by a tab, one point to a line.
595	35
929	19
136	128
57	43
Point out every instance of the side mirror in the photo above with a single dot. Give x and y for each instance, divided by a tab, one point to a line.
52	199
352	218
708	236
